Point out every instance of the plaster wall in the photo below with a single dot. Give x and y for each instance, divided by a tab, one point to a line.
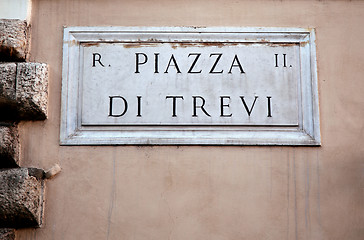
194	192
15	9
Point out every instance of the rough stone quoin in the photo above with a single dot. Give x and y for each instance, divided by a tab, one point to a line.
14	40
7	233
9	146
7	81
23	91
21	197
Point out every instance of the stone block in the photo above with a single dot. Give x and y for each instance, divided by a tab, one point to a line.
24	91
14	40
9	146
32	90
21	197
7	233
7	83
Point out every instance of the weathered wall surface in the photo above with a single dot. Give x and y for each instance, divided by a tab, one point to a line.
139	193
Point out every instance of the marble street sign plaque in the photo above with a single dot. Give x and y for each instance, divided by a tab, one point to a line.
211	86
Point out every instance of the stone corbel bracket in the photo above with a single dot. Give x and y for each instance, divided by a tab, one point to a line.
23	91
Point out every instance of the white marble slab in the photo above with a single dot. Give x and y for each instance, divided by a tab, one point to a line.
231	86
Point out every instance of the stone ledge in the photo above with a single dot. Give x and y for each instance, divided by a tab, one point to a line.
7	233
23	91
21	197
14	40
9	146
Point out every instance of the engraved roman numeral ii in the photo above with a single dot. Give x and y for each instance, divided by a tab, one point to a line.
284	58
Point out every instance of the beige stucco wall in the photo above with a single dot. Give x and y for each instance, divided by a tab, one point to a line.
192	192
